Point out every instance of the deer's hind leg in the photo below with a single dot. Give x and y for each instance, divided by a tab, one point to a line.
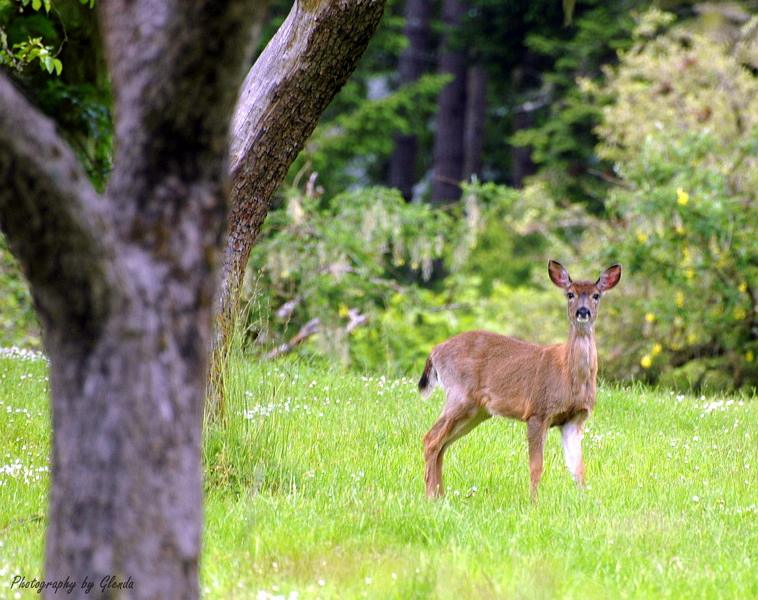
456	420
536	432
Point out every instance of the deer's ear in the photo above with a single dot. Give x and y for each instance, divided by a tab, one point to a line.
609	278
558	274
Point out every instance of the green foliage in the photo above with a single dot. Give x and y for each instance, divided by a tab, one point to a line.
682	131
562	140
18	324
352	147
335	259
54	35
29	51
368	252
22	35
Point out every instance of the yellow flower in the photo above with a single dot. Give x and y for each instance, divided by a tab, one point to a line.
742	287
641	237
649	317
682	197
739	313
657	349
680	229
691	338
686	256
749	356
689	273
679	299
343	310
646	361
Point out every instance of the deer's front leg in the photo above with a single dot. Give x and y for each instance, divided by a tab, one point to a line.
536	431
572	433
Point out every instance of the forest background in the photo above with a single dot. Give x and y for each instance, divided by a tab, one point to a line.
475	141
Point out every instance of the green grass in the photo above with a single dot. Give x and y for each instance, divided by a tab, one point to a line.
318	491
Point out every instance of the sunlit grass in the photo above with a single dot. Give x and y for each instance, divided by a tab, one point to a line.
314	489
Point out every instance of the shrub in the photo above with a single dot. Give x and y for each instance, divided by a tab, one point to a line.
682	130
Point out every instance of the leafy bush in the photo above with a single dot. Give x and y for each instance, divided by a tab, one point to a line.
338	260
682	130
369	253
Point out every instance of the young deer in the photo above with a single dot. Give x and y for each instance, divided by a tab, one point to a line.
485	374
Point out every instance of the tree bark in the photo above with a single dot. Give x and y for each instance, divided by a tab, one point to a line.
124	285
292	82
448	151
414	61
474	121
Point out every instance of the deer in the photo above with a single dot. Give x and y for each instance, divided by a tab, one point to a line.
485	374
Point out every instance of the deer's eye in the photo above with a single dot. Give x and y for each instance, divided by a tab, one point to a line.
596	296
570	295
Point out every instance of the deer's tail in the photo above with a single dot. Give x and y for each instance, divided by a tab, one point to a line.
428	378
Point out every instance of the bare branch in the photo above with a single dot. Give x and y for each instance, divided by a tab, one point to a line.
355	319
306	331
53	218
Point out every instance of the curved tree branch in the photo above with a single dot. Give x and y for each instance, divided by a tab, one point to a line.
292	82
53	219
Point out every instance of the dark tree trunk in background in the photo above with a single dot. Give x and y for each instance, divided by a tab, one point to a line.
474	121
124	285
414	61
300	71
521	156
524	77
448	153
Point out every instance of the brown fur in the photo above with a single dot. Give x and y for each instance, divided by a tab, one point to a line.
485	374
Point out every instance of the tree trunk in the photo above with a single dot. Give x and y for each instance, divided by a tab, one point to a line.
297	75
448	152
124	286
474	122
521	156
414	61
523	77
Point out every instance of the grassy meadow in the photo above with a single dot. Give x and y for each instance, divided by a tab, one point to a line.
314	490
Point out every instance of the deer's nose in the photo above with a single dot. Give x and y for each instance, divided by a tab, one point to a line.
583	313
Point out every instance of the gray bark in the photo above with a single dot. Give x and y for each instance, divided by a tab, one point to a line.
292	82
414	61
448	153
124	285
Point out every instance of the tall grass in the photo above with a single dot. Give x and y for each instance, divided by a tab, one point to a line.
314	488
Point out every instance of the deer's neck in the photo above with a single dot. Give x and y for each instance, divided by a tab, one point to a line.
581	356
